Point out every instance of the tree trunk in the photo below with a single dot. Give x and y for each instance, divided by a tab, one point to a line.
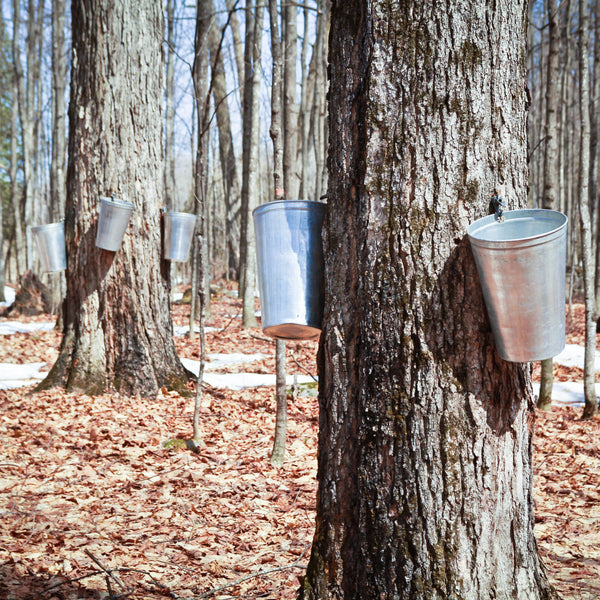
319	113
305	108
589	368
234	24
290	103
204	22
58	194
4	137
26	102
169	166
278	452
551	164
425	456
15	196
250	176
231	181
118	332
595	147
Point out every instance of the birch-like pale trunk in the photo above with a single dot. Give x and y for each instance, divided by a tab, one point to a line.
251	148
551	165
15	197
589	368
169	166
425	435
595	146
319	112
238	47
291	181
278	452
231	182
26	85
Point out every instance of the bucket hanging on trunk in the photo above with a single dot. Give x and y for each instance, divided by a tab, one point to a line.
51	245
112	222
521	263
290	267
179	230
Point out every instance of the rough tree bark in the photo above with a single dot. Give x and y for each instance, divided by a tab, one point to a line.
118	332
425	455
551	165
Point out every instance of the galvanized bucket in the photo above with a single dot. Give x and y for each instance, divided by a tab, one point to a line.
112	222
521	265
290	267
51	245
179	230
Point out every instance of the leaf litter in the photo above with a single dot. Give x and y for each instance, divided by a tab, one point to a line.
92	505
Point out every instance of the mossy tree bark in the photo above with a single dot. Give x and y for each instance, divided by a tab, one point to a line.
425	454
117	321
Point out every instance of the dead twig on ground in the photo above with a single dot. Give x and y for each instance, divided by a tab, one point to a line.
107	571
294	565
229	322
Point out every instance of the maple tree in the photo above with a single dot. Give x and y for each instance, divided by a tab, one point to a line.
117	322
425	470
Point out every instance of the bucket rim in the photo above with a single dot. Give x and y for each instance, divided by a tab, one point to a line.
294	204
474	229
184	215
47	226
116	202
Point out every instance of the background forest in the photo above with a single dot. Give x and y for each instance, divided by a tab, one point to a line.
34	67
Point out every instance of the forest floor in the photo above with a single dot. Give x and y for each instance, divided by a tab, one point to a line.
92	505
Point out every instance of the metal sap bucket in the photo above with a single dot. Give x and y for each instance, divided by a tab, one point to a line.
179	230
51	245
521	265
112	222
290	267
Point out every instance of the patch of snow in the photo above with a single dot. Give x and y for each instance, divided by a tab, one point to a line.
181	330
15	376
9	295
572	356
10	327
239	381
566	392
216	361
177	296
